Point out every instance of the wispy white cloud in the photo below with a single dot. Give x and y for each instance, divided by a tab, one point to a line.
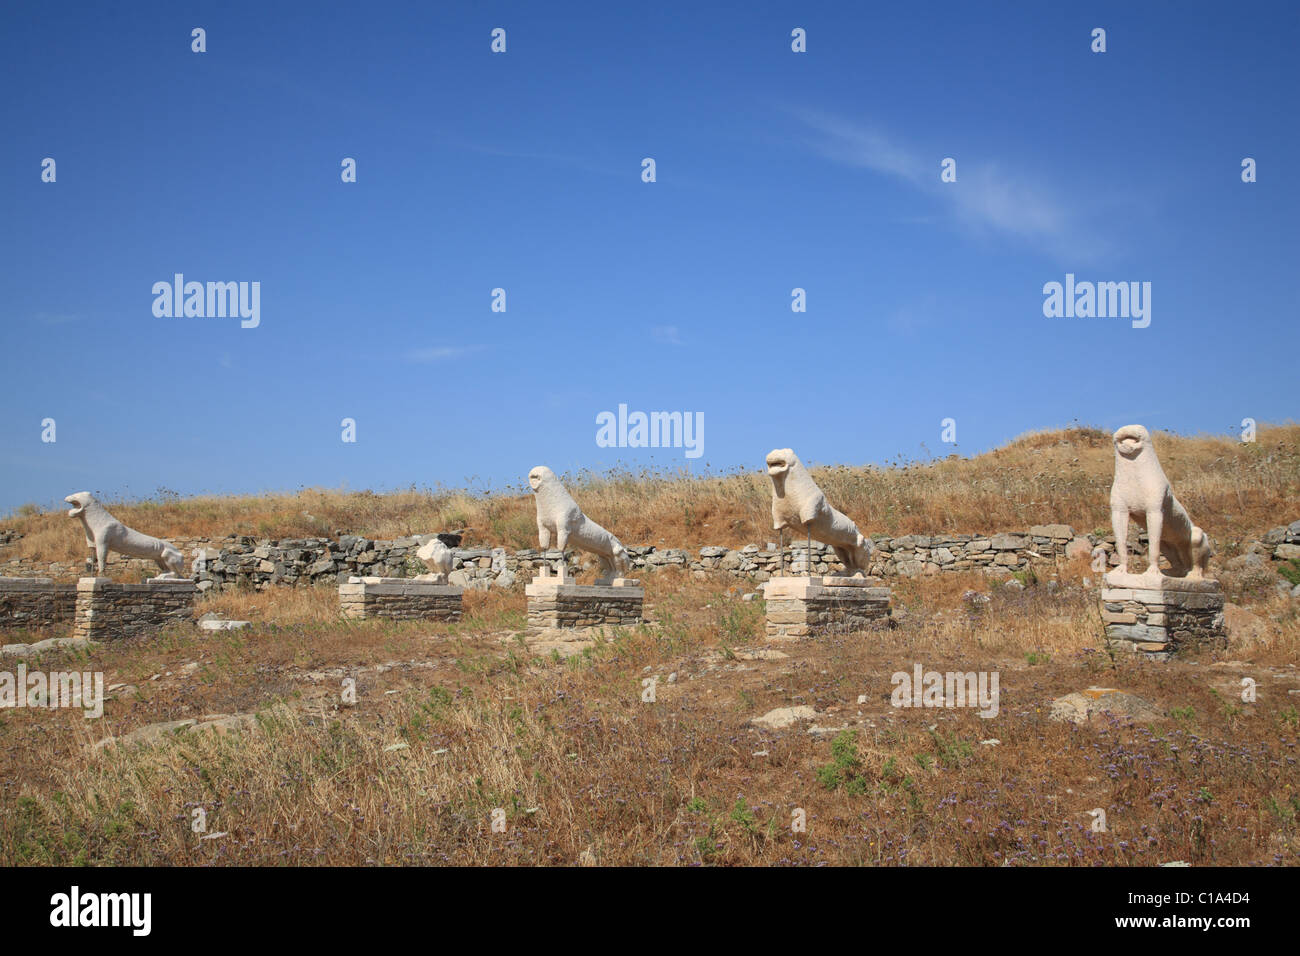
666	334
985	197
442	353
854	144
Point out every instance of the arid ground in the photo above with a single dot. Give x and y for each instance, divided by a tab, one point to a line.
453	722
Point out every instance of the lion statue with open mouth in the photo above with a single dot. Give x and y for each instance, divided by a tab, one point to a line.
104	533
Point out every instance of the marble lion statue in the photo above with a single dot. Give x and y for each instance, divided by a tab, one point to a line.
798	504
1141	491
104	533
558	514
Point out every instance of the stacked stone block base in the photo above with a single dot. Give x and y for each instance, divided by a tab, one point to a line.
107	610
558	602
401	599
1160	617
36	602
811	606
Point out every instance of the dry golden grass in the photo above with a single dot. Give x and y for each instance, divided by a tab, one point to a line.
1233	490
453	722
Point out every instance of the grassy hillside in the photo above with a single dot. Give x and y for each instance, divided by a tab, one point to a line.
1233	490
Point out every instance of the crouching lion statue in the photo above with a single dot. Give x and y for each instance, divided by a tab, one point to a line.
798	504
1142	491
104	533
559	514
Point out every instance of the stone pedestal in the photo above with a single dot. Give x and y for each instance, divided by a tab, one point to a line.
1160	616
559	602
107	610
36	602
403	599
808	606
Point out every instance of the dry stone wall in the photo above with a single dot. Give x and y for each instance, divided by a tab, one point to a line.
261	563
36	602
1283	543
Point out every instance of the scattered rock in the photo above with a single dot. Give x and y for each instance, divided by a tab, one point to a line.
49	644
1251	560
1081	707
224	724
1080	547
818	730
785	716
1249	571
212	623
149	734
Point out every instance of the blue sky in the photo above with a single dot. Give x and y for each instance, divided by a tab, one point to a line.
522	171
